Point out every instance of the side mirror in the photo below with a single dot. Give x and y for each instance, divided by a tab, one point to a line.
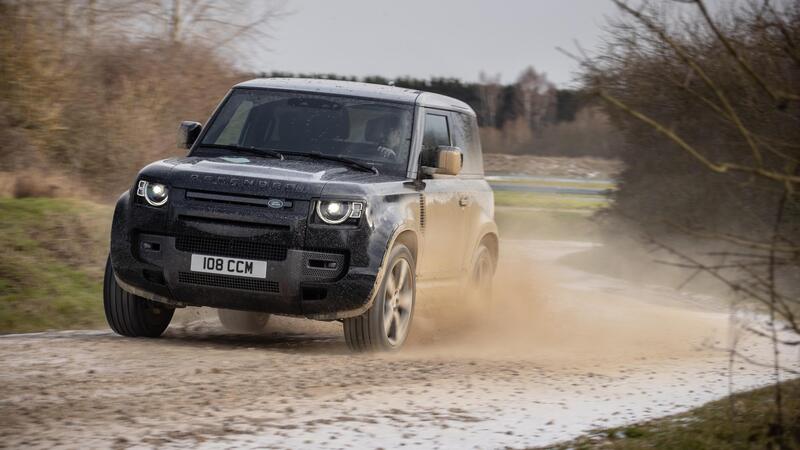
188	132
449	161
443	160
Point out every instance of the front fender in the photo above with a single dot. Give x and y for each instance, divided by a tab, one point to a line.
127	268
120	236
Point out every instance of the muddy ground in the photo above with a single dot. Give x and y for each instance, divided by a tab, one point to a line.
564	352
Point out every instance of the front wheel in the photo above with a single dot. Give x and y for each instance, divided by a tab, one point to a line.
386	324
131	315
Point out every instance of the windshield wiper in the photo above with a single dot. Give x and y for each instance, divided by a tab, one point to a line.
252	150
341	159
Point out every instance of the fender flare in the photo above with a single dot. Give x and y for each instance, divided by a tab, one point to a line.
400	229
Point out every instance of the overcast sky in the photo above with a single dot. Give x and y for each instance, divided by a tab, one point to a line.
425	38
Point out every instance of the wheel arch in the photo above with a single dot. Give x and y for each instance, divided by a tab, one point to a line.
408	238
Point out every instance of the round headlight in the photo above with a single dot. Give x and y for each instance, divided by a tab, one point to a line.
156	194
333	212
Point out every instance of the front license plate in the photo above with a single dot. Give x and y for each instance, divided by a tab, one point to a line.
229	266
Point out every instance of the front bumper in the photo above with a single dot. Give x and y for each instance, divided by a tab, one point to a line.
151	258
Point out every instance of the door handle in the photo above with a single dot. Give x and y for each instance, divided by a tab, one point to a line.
464	201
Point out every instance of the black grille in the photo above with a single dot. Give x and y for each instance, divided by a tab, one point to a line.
234	248
226	281
322	272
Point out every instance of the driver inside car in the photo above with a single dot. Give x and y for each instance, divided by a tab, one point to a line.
385	131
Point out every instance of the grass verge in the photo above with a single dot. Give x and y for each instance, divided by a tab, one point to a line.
588	184
549	201
709	427
52	265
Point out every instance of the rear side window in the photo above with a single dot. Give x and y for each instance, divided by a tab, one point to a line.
437	131
465	134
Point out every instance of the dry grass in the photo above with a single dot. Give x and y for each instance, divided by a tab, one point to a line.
33	183
52	265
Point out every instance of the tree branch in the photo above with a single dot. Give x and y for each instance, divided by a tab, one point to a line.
674	137
687	59
777	95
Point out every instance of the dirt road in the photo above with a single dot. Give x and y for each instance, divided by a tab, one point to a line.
571	352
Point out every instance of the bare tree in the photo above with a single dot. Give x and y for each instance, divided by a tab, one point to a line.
218	22
717	98
72	71
490	91
537	98
231	24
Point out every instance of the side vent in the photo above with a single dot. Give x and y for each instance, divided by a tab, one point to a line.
422	213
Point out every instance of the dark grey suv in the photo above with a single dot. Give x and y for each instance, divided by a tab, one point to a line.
324	199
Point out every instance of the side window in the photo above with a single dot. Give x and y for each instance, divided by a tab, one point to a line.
465	134
437	131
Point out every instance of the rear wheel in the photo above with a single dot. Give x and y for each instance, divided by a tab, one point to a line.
386	324
243	321
483	272
479	296
131	315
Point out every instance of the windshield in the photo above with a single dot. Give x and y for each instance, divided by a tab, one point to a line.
372	132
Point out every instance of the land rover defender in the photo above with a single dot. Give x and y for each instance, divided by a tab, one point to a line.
323	199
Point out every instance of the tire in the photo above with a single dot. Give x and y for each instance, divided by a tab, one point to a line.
131	315
386	324
243	321
480	283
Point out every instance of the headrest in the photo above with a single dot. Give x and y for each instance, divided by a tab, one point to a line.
375	131
327	125
289	129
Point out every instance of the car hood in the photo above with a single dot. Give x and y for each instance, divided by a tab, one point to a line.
288	178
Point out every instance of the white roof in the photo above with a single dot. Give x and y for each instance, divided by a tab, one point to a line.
357	89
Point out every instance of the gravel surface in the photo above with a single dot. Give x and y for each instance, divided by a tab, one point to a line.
566	351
